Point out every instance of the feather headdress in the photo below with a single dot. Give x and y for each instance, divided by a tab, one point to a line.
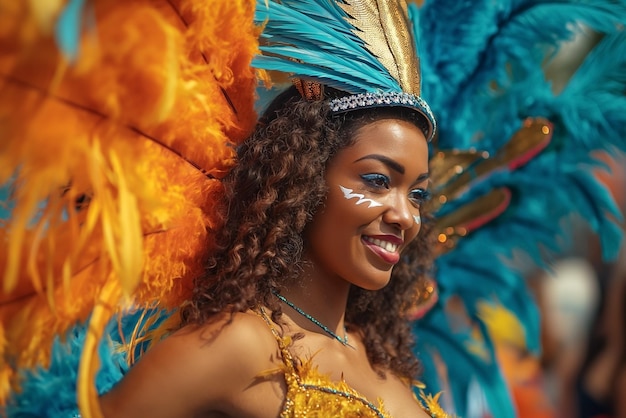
365	48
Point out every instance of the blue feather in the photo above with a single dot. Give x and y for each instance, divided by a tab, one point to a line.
69	28
6	205
482	74
293	29
462	365
51	392
496	44
592	104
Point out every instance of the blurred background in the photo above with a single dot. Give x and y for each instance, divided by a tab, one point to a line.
583	300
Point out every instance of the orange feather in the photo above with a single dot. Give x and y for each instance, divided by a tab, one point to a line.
115	161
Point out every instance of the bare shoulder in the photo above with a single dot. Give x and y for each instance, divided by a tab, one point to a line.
244	339
242	333
197	369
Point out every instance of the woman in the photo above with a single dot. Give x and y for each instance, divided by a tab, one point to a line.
305	296
297	311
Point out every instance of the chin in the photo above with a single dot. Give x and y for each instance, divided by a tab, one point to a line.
375	283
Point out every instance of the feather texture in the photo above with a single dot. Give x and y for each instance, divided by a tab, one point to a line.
314	39
483	74
147	127
113	201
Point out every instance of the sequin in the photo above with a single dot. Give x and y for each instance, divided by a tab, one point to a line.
311	393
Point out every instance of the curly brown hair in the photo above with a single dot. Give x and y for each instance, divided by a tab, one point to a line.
271	194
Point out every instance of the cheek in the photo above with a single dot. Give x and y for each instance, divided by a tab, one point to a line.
355	204
412	232
358	199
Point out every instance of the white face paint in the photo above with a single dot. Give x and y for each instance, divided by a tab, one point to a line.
418	219
347	193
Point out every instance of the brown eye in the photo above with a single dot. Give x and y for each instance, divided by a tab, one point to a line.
375	180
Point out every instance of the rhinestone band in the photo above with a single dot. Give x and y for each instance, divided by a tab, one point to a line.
383	99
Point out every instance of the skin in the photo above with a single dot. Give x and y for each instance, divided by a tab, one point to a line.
213	370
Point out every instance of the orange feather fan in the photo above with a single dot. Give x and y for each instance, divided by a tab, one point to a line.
114	160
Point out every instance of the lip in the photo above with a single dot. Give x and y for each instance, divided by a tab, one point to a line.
386	256
394	239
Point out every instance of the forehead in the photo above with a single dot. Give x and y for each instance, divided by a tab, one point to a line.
394	138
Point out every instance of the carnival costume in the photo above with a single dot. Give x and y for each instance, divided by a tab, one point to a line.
119	119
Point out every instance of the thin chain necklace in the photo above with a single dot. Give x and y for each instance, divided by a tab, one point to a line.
327	330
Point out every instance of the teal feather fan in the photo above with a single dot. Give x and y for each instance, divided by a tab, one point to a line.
483	74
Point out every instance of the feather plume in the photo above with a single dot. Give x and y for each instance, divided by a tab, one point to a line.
483	74
113	160
356	46
40	395
325	47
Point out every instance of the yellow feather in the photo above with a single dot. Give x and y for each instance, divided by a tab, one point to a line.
503	325
115	188
45	12
89	364
129	237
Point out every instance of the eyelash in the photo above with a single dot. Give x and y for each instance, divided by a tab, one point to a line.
374	180
378	181
419	196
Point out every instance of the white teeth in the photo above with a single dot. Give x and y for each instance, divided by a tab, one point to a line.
386	245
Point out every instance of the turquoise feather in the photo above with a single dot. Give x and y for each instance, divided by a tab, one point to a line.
51	392
5	203
482	74
339	58
68	29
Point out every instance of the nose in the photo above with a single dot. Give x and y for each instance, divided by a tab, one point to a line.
401	212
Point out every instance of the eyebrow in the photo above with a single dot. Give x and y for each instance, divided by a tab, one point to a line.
394	165
385	160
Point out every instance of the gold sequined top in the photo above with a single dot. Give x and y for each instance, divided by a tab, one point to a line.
313	394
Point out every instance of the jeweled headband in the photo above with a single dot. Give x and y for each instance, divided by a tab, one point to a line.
365	48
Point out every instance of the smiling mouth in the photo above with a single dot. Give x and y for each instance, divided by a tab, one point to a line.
385	245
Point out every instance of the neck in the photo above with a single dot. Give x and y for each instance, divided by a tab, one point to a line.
324	301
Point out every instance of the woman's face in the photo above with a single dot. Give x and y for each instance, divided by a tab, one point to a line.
375	190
